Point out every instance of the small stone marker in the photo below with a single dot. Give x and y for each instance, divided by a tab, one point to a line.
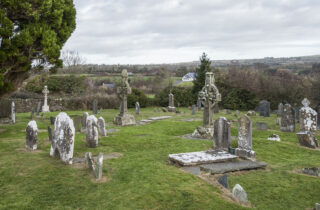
245	138
262	126
102	127
52	120
95	106
62	144
13	113
84	122
38	108
50	133
193	109
137	108
92	131
274	137
239	193
264	108
31	135
223	180
288	120
311	171
45	107
221	134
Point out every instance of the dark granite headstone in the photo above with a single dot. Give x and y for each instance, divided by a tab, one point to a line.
223	180
264	108
221	134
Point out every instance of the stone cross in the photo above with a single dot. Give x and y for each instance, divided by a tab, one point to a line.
123	92
209	96
45	107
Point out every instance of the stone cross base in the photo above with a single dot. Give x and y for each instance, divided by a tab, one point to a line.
171	109
45	108
124	120
244	153
203	133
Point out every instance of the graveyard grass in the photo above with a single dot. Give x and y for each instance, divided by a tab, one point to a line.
142	179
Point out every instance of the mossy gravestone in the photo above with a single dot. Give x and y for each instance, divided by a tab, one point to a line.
31	136
288	120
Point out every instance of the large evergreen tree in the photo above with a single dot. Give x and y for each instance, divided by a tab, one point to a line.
201	71
32	33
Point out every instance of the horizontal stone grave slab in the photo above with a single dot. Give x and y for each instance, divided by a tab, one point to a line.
220	168
160	118
203	157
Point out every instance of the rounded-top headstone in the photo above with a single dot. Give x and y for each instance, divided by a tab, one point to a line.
239	193
31	135
92	131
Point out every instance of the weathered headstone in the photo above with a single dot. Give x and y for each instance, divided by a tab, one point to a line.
221	134
239	193
262	126
102	127
245	138
95	106
95	167
124	118
137	108
38	108
52	120
280	109
223	180
307	139
45	107
62	144
13	113
308	117
84	122
193	109
31	135
237	113
288	120
264	108
171	107
50	133
92	131
5	111
77	122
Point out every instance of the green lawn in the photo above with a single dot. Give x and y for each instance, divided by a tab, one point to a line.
142	179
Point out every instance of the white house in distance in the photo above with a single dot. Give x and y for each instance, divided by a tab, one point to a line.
191	76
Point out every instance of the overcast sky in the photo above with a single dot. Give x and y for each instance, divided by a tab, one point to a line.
171	31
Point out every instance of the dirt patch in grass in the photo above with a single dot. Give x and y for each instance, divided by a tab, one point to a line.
2	130
225	193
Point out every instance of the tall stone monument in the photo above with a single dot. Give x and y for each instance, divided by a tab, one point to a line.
308	126
222	134
171	107
288	119
209	97
102	127
124	118
63	138
264	108
245	138
45	107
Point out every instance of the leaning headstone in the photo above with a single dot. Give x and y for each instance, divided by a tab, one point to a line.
245	138
31	135
38	108
45	107
95	167
137	108
288	120
84	122
280	109
52	120
92	131
221	134
50	133
102	127
13	113
223	180
264	108
62	144
308	117
124	118
262	126
193	109
311	171
95	106
171	107
239	193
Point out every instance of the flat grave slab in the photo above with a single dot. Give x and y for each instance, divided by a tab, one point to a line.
203	157
160	118
220	168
